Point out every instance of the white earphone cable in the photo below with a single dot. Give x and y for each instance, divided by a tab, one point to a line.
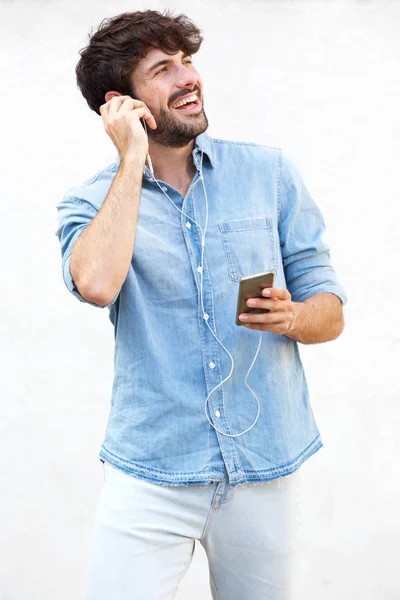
205	316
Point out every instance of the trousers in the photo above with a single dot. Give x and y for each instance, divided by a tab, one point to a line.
144	536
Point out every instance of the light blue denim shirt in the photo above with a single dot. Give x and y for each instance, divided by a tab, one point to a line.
261	218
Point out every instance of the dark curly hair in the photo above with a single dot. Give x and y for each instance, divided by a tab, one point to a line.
119	43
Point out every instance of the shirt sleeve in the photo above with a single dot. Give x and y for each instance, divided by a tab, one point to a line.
74	215
306	258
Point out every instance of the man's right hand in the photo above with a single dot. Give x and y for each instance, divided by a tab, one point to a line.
121	117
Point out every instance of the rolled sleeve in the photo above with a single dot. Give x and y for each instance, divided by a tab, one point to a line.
74	216
305	256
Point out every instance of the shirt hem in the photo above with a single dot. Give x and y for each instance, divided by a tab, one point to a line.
208	476
288	468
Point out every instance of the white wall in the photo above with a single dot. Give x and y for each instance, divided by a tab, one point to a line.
319	78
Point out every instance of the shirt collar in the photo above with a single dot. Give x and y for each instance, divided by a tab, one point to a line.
205	142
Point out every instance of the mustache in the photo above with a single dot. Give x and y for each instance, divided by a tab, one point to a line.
183	93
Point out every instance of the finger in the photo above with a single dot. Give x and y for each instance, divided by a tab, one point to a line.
129	104
280	293
258	327
104	110
107	106
144	113
277	329
116	102
134	104
271	304
266	318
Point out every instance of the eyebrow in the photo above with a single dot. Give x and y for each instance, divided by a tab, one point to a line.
166	61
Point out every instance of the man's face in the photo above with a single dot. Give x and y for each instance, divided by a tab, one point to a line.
164	82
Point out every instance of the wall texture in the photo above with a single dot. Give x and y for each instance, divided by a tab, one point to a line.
319	78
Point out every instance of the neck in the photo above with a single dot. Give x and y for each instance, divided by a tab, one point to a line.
173	165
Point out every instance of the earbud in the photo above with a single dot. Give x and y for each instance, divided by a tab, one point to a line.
150	165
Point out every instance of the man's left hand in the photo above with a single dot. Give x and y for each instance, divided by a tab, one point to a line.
282	313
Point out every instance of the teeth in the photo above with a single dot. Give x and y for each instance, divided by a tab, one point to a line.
192	98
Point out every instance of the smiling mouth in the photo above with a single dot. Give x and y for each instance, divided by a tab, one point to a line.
188	103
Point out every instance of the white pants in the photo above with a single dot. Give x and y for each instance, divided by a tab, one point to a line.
144	538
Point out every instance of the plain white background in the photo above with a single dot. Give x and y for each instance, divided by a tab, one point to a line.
318	78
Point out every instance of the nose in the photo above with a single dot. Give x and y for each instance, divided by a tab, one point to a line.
186	78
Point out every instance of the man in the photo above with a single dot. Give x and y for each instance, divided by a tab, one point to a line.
164	245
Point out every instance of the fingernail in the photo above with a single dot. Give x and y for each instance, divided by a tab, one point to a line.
266	292
243	317
251	302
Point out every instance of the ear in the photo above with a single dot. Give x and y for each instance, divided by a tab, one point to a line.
110	95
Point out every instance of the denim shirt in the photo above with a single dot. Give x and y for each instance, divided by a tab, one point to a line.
166	362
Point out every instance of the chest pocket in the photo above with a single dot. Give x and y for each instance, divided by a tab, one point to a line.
248	246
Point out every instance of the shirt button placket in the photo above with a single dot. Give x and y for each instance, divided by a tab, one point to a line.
212	365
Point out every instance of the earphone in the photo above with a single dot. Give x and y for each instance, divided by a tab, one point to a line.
205	316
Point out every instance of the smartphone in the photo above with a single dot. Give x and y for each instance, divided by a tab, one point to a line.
252	287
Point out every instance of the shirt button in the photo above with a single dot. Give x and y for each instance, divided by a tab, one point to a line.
211	365
164	189
217	413
199	269
206	316
188	224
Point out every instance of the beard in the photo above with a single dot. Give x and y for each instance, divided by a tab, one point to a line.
174	131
